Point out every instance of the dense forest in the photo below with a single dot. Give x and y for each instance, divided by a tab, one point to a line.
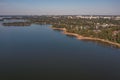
96	28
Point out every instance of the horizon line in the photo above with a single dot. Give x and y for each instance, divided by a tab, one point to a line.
64	15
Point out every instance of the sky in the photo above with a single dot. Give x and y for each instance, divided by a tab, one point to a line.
59	7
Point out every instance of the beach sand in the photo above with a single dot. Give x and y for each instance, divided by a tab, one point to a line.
80	37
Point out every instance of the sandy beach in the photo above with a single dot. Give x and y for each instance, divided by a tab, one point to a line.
80	37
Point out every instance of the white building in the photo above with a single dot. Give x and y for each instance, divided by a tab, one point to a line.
117	18
88	17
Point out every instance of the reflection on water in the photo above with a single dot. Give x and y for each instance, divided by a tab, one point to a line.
58	30
37	52
70	36
105	44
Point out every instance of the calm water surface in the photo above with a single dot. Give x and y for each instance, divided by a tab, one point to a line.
37	52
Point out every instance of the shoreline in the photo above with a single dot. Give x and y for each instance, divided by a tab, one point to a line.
80	37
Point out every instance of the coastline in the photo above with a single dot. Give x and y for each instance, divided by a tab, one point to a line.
80	37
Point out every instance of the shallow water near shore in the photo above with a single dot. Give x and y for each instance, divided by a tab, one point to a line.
38	51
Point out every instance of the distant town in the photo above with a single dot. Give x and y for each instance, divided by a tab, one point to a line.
115	17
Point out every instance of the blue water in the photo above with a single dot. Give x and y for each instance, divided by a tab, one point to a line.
38	52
